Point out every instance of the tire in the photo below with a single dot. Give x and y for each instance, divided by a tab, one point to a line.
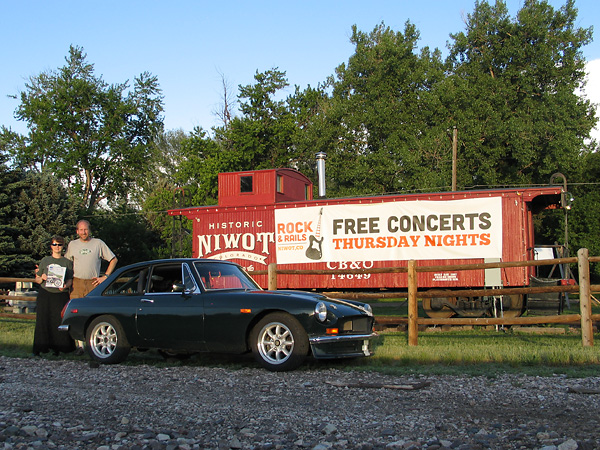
279	342
106	341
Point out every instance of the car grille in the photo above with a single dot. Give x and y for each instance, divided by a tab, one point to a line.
357	325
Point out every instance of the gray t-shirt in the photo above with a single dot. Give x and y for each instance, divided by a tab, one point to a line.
49	260
87	256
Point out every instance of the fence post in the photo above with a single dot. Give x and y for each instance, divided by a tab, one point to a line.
272	276
413	309
585	298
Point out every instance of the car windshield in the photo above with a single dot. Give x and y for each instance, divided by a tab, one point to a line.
224	276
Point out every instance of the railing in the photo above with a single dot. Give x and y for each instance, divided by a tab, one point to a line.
16	280
585	289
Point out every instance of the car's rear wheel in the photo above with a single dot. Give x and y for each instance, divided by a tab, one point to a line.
279	342
106	340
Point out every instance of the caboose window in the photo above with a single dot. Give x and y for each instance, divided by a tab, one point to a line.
246	184
280	184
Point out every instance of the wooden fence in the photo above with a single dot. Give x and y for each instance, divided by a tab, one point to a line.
585	289
16	280
585	318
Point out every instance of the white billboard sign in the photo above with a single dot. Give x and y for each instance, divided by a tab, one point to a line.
451	229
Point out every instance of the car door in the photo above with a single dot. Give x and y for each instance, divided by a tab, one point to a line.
228	306
169	316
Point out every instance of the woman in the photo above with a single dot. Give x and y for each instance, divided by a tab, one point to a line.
55	276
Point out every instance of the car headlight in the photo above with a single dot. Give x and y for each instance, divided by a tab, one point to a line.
368	309
321	312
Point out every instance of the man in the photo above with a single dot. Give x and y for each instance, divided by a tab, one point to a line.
87	254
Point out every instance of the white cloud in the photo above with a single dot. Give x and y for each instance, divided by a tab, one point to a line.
592	90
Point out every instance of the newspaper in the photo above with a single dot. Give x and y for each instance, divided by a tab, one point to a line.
56	276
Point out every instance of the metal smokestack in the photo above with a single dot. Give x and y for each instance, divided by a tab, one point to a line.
321	156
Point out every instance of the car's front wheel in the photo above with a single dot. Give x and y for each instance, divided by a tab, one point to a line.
106	340
279	342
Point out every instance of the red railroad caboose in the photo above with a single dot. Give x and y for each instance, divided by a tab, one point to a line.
269	216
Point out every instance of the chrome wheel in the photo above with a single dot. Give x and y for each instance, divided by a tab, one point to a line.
279	342
276	343
106	340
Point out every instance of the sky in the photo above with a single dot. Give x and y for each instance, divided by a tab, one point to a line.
195	46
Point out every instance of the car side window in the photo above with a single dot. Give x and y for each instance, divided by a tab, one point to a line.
131	282
223	276
188	280
163	278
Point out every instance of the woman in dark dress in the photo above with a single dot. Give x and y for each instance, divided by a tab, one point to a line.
55	276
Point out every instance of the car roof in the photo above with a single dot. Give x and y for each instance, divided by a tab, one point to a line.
176	260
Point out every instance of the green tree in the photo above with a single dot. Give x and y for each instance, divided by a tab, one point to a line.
33	207
13	262
43	209
95	136
312	132
375	127
128	234
179	179
261	138
512	93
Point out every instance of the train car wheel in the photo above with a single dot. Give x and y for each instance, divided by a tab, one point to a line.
436	309
515	309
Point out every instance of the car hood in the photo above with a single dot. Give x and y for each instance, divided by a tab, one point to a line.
315	297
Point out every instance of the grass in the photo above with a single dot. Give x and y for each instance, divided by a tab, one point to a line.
485	351
16	336
471	352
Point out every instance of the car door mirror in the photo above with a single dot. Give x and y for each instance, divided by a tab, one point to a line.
178	287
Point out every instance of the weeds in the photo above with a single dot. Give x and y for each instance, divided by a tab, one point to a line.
476	352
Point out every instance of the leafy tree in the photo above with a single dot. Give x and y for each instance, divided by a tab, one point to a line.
512	93
174	232
309	108
169	155
165	166
261	137
10	143
202	160
179	179
33	207
376	125
13	262
95	136
43	209
128	235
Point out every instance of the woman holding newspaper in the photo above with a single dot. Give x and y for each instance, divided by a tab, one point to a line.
55	276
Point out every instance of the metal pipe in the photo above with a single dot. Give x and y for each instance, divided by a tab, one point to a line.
321	156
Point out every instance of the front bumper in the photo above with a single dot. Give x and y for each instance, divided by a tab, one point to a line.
342	346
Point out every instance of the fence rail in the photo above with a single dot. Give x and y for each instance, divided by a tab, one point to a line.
585	289
16	280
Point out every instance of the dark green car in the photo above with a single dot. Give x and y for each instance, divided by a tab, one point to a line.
184	306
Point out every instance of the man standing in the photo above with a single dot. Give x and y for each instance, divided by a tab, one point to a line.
87	254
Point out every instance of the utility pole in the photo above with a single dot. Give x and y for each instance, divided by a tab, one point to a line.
454	156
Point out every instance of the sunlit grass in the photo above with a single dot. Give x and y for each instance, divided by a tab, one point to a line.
483	347
16	336
470	352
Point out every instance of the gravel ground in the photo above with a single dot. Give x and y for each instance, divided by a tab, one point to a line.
47	404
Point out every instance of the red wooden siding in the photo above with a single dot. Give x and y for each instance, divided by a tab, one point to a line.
246	235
